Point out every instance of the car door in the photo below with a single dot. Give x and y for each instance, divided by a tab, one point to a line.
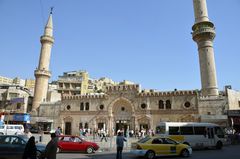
78	144
4	146
17	145
170	146
65	144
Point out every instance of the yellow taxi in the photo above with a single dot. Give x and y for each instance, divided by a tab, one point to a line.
159	146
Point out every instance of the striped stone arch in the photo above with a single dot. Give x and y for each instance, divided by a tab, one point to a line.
123	100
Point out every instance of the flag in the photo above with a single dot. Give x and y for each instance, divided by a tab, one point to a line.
17	100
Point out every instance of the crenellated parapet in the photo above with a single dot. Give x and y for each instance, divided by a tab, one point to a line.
88	96
128	87
168	93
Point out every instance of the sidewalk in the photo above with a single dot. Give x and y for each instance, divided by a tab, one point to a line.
110	145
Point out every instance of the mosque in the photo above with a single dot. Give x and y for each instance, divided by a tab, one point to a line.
125	105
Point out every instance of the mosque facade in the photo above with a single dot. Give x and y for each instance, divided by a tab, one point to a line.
127	106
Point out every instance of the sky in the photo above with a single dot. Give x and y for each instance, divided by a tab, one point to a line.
147	42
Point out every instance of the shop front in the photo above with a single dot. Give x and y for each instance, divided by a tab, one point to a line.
234	119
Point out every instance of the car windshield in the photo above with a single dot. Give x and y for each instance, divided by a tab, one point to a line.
24	137
143	140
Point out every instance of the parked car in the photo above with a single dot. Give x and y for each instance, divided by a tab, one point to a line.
159	146
12	146
11	129
75	143
34	130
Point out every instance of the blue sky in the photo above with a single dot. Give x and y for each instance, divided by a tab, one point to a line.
145	41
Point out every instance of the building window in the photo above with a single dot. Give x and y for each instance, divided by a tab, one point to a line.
187	104
82	106
160	104
143	106
122	108
168	104
18	105
68	107
101	107
80	125
239	103
87	106
86	126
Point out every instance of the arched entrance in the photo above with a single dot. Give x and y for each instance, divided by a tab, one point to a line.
122	113
144	124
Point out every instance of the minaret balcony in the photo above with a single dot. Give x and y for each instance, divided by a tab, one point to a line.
46	38
203	31
42	73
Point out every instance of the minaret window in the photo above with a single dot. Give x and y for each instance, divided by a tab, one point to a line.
168	104
160	104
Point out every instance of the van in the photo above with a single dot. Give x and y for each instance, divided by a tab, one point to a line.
11	129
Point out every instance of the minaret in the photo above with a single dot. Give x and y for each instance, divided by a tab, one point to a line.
203	34
42	73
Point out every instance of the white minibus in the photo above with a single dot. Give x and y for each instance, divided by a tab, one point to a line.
11	129
197	135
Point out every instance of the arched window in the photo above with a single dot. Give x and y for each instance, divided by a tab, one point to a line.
168	104
87	106
80	125
82	106
160	104
86	126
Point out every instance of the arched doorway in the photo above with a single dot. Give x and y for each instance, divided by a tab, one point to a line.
144	124
122	112
68	125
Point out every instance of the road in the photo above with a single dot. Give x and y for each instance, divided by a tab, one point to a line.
228	152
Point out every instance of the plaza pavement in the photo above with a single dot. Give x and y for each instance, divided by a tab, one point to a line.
108	146
105	147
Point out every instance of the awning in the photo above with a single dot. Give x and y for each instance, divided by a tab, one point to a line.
41	119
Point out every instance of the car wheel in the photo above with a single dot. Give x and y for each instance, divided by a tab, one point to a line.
185	153
39	155
89	150
219	145
150	155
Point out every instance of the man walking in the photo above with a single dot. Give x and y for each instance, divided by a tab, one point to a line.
51	148
120	143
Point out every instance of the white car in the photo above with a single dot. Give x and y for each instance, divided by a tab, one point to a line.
11	129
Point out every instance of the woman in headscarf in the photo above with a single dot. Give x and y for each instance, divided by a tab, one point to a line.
30	151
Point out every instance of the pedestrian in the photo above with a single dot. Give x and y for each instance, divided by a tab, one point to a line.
27	133
51	148
103	135
120	143
58	131
30	151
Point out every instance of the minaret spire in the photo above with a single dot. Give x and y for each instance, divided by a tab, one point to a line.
42	73
203	34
